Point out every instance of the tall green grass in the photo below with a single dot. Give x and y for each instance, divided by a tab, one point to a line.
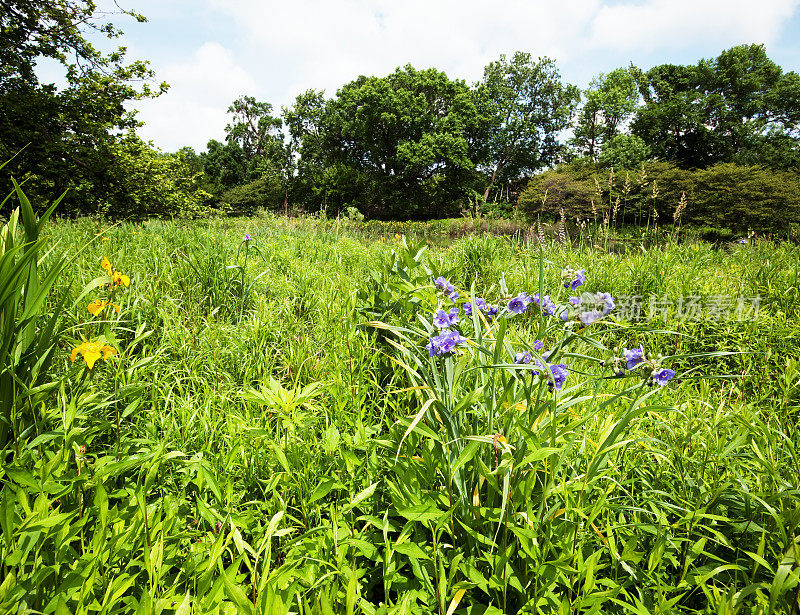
248	448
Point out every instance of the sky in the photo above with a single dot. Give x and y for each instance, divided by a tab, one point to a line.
213	51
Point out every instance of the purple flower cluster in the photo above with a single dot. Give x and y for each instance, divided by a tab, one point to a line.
444	343
559	373
448	287
578	278
480	303
663	376
602	303
519	304
525	356
633	357
443	320
247	237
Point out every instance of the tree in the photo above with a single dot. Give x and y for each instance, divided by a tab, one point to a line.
254	153
610	101
392	146
67	137
739	107
524	107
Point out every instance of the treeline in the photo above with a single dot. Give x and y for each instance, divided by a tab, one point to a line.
414	144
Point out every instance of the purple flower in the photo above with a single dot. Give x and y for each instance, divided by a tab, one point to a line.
468	309
564	315
575	301
491	310
548	306
578	280
543	302
480	303
453	296
744	241
607	300
587	318
441	320
247	237
559	373
444	284
445	342
537	345
522	357
663	376
519	304
633	356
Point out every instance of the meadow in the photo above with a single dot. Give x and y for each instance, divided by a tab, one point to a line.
268	427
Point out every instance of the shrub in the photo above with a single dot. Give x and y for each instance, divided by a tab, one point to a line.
263	192
570	187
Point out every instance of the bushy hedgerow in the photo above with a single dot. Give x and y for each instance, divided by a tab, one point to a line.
726	195
265	192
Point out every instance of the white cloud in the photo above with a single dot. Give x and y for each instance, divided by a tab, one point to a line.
194	109
322	44
675	24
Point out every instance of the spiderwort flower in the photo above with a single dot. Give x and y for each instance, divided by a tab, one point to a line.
247	237
559	373
480	303
607	300
444	343
548	306
491	310
444	284
588	318
522	357
575	301
441	320
519	304
453	296
633	357
468	309
663	376
578	280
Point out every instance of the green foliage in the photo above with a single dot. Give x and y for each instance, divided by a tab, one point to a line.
144	182
610	100
624	152
264	192
258	471
569	187
738	198
738	107
523	107
28	337
397	144
69	135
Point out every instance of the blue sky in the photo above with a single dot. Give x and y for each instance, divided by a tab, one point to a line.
211	51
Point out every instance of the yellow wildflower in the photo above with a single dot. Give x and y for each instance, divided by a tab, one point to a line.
98	305
106	239
91	351
106	264
119	278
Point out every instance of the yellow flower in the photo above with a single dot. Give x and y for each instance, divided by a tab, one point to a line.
119	279
106	239
91	351
106	265
98	305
